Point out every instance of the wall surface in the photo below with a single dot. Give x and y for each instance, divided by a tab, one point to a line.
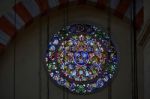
5	5
146	11
147	70
27	51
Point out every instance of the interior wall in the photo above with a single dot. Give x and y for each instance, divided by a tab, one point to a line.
146	70
146	11
27	51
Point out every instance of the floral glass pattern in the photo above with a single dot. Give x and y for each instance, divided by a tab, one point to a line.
81	58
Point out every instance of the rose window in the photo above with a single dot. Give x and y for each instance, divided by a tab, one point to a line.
81	58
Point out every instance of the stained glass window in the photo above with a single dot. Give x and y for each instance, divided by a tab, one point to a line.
82	58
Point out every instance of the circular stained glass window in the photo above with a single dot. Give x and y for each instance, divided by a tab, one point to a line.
81	58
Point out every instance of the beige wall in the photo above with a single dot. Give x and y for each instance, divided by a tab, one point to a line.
29	48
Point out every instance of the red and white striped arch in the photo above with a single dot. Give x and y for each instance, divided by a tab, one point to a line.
23	12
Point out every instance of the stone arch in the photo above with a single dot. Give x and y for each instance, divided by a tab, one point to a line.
25	11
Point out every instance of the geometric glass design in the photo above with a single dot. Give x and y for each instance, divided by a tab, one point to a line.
81	58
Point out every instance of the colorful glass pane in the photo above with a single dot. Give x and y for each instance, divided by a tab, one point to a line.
82	58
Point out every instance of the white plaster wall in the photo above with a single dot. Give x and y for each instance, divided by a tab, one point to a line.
27	57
